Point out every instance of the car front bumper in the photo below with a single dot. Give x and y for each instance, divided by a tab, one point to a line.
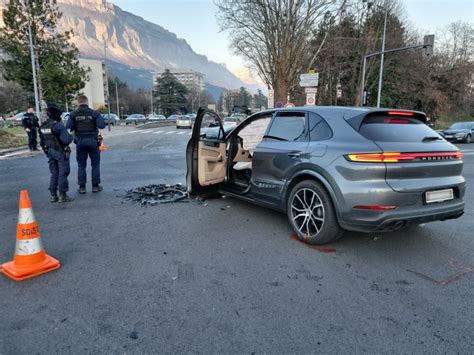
454	138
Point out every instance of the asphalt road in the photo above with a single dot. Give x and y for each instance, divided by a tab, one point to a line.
223	276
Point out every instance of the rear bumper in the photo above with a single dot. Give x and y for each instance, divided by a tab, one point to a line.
388	221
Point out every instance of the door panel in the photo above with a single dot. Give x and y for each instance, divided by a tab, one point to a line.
211	163
206	153
282	150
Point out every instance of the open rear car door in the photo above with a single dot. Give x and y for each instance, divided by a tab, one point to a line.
206	154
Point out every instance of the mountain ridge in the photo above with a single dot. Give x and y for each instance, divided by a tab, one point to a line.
135	42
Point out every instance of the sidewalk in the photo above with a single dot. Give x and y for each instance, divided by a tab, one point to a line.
17	152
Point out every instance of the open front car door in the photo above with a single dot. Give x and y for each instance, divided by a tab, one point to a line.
206	154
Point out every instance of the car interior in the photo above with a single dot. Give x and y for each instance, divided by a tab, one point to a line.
213	154
241	151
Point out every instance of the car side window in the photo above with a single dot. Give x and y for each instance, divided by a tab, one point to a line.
318	128
287	126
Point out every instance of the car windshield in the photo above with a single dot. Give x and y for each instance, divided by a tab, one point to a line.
461	125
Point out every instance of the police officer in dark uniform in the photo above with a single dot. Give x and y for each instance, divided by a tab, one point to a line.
31	123
55	141
85	124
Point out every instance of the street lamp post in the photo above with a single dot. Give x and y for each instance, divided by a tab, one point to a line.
379	91
107	83
427	46
33	67
117	97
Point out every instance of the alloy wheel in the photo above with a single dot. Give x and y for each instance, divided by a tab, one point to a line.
307	212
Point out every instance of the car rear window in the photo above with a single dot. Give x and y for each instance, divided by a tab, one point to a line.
288	126
385	128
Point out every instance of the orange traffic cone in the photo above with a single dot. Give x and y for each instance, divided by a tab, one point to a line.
102	146
30	259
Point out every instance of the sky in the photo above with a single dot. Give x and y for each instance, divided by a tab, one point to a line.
195	21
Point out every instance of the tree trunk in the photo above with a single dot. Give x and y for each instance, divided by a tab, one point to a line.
281	88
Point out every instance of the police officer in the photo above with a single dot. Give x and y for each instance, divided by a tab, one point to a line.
55	140
31	123
85	122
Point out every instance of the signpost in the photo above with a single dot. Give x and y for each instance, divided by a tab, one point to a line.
308	80
310	99
271	98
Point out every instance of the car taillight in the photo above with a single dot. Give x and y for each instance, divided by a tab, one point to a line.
396	120
401	113
402	157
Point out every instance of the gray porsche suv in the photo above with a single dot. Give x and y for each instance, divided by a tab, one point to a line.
331	169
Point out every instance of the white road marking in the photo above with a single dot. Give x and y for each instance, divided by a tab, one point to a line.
170	132
158	132
147	131
149	144
468	153
467	150
181	132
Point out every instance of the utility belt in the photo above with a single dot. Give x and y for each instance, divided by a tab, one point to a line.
96	138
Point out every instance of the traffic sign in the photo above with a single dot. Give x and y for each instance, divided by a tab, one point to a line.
289	104
309	83
271	98
279	104
305	77
310	99
308	80
311	90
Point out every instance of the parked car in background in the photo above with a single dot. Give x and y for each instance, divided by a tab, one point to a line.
172	117
184	122
135	119
331	169
459	132
239	116
17	118
231	121
154	117
113	119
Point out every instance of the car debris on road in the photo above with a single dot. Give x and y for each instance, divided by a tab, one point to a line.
152	195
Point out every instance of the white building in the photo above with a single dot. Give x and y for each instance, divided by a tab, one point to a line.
193	80
96	86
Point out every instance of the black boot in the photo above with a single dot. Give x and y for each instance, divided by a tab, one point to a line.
96	188
82	189
63	197
53	198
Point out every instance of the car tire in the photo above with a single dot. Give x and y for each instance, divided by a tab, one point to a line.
322	226
468	139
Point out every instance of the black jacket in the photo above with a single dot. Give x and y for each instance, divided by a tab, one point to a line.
30	121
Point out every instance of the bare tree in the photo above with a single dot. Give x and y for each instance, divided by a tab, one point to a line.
274	36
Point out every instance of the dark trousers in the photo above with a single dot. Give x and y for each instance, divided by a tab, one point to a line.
60	168
32	142
88	147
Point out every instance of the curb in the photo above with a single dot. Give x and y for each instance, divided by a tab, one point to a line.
163	123
12	150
